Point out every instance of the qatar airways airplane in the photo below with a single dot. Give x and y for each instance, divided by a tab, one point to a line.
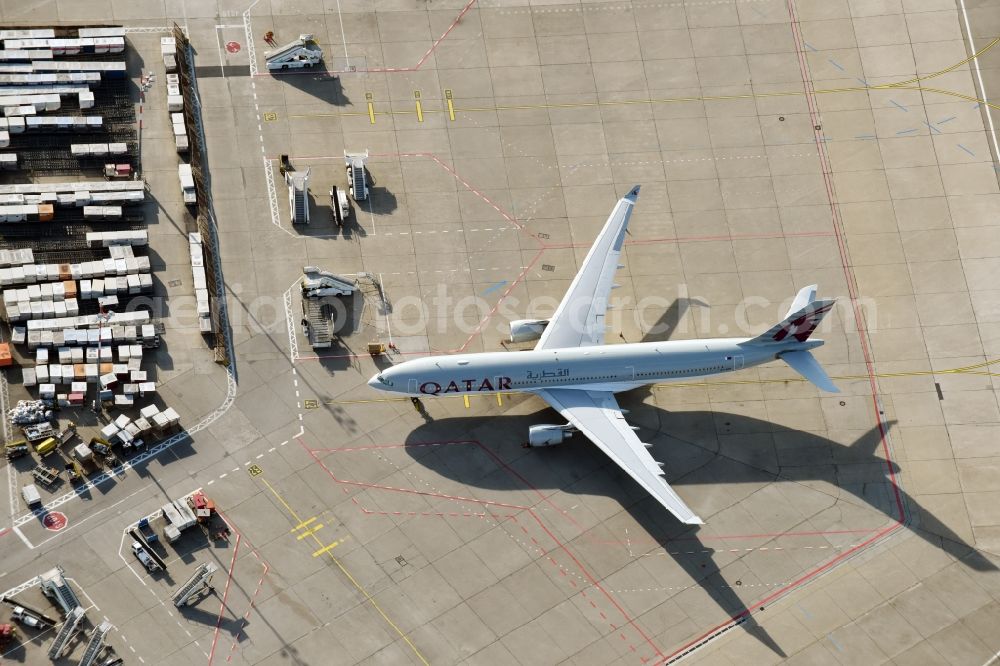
578	375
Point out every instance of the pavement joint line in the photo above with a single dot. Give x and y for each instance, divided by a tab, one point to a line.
357	585
529	10
534	546
966	370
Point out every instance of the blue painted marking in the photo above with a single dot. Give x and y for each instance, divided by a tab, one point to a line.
933	129
806	613
946	120
965	149
835	64
866	136
909	131
494	287
835	643
863	82
976	105
899	106
809	46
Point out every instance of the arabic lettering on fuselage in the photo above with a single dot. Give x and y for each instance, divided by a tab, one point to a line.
466	385
547	374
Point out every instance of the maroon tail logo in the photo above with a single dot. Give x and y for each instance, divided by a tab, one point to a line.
802	327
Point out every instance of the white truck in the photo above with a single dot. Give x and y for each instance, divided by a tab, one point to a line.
140	553
186	177
29	619
303	52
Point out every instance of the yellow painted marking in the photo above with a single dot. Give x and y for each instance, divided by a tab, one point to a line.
499	399
303	524
255	470
906	84
371	107
326	549
351	578
309	532
270	116
451	104
420	109
964	370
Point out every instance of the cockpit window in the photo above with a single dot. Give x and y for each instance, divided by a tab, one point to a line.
383	380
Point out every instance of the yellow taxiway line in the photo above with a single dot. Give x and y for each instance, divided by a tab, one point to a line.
974	369
325	550
907	84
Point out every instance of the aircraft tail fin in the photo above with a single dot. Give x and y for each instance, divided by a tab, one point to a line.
806	365
803	317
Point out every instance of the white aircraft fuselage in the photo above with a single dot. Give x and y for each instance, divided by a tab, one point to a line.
613	368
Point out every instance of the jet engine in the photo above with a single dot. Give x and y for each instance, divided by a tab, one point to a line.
525	330
549	435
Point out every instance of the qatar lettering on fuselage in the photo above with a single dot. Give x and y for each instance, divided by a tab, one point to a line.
466	385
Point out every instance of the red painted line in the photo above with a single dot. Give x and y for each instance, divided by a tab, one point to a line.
530	512
382	70
869	363
762	602
411	491
506	293
396	446
772	535
505	215
448	442
844	259
703	239
446	33
4	531
517	475
225	594
595	583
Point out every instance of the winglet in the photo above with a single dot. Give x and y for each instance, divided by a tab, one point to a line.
633	194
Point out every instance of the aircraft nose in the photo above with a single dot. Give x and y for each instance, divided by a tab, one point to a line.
373	382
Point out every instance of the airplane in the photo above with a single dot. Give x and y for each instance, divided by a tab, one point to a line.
578	375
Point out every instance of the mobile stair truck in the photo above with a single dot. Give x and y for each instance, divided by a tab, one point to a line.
298	195
357	174
318	314
303	52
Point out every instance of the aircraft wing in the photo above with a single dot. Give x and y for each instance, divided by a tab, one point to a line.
579	319
597	415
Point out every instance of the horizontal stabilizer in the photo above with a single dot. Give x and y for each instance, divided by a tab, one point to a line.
806	365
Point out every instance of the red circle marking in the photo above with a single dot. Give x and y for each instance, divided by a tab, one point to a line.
233	47
54	521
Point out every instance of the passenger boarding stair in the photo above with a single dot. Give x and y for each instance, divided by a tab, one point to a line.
298	195
200	579
54	585
356	174
96	644
66	633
